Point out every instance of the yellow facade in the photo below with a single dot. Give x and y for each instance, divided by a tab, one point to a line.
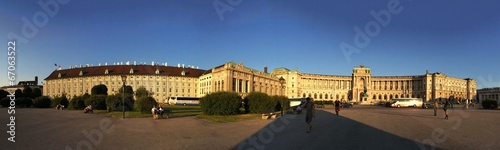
364	88
167	81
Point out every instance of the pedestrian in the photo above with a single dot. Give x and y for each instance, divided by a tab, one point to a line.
445	108
310	113
337	106
154	111
161	112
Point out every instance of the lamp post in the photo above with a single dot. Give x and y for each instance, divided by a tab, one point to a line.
282	81
124	79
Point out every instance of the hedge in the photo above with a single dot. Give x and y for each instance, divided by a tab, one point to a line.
97	101
115	102
42	102
221	103
258	102
487	104
281	101
77	103
144	104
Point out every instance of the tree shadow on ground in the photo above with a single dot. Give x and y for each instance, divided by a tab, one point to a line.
329	132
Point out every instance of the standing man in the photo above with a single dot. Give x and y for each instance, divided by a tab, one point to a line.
310	113
445	108
337	106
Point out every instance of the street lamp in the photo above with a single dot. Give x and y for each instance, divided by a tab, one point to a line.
282	81
124	79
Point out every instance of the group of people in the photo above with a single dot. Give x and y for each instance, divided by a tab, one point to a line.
88	109
59	107
310	110
158	112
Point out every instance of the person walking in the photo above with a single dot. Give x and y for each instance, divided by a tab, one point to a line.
445	108
310	113
337	106
154	112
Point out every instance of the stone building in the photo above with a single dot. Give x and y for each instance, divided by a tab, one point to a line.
364	88
168	81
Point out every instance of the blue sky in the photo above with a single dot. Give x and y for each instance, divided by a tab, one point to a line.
457	38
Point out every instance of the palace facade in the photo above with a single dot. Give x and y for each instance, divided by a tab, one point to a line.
364	88
167	81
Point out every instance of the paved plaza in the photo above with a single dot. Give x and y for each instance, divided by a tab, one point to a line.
361	127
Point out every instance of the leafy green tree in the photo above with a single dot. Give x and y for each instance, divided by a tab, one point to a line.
281	101
142	92
42	102
5	102
100	89
78	103
97	101
115	102
488	103
63	100
27	91
3	94
221	103
18	93
128	90
258	102
37	92
144	104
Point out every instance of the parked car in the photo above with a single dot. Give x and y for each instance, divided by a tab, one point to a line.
347	104
319	106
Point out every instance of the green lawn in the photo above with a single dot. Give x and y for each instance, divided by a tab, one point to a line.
185	111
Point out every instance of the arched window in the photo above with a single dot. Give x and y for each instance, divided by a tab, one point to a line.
320	96
304	95
385	97
390	96
374	97
315	96
380	96
396	96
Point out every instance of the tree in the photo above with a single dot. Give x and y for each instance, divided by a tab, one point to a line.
42	102
27	91
18	93
100	89
144	104
221	103
115	102
97	101
78	103
63	100
128	90
37	92
3	94
258	102
141	92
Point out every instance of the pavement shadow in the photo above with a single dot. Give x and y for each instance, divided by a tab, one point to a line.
329	132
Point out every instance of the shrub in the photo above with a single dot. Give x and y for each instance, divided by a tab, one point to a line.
282	101
97	101
100	89
5	102
3	94
24	102
259	102
42	102
115	102
60	100
488	102
77	103
221	103
144	104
